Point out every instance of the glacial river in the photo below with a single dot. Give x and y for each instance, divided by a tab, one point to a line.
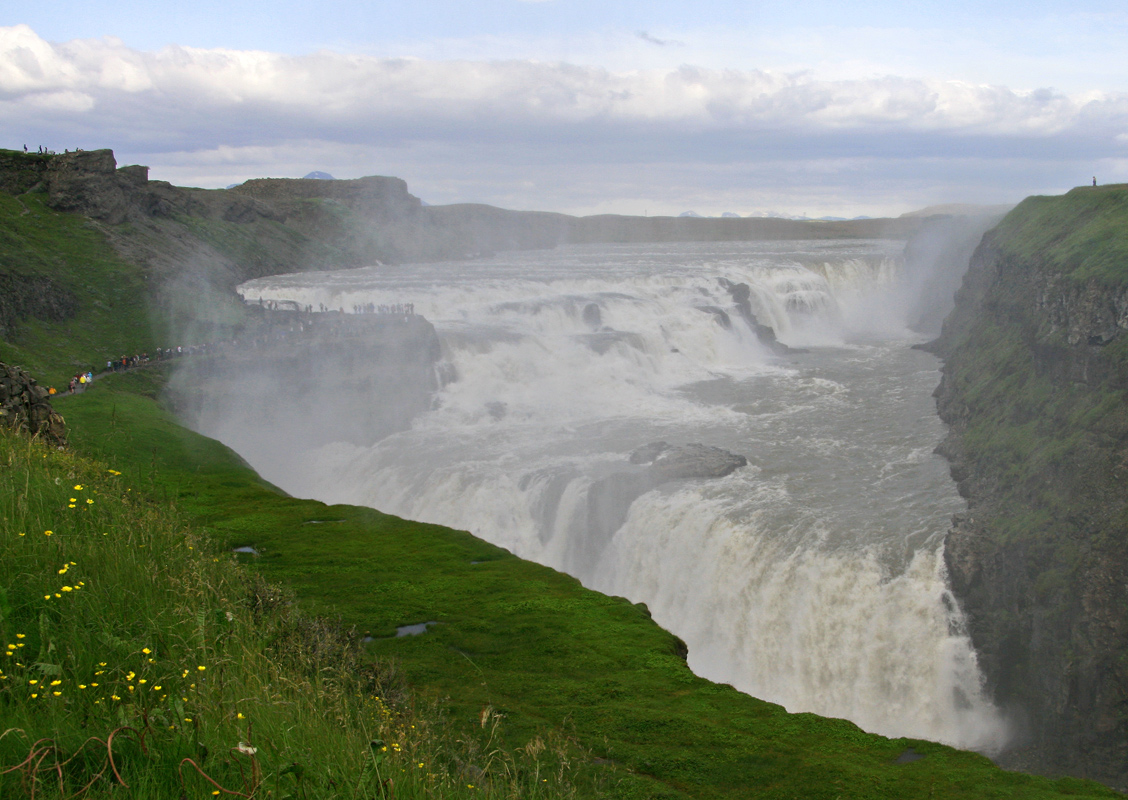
813	577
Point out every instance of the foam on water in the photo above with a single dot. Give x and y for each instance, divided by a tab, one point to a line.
813	577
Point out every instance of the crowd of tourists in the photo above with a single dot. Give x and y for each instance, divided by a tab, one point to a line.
393	309
400	309
77	383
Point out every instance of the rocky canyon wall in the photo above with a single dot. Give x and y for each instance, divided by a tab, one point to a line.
1034	389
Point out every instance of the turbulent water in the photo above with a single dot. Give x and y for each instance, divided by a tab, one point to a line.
812	577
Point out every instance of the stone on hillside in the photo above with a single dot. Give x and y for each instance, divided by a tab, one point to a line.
24	406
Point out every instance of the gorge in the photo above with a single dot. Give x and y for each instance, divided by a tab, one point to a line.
1033	356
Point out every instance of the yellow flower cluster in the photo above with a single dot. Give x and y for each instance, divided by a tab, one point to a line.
68	588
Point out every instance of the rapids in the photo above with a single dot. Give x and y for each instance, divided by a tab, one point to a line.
813	577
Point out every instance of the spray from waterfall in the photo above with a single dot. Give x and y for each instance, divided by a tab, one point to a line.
812	576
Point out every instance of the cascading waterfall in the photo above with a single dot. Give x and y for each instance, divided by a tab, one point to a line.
812	577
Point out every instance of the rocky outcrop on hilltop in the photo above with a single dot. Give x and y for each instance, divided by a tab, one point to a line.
25	406
1033	389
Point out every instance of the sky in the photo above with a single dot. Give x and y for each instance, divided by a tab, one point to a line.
803	107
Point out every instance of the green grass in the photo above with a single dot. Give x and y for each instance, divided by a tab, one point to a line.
1082	234
137	660
112	296
528	642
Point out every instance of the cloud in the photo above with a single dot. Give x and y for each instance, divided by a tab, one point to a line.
646	37
521	113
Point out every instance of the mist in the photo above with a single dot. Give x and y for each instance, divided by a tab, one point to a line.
738	434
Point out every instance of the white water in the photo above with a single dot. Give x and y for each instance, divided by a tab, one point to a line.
813	577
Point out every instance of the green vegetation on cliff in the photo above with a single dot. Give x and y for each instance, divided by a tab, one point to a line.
1081	235
1035	389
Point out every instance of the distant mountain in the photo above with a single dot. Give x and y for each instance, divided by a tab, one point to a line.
961	210
775	215
730	215
232	185
689	214
318	176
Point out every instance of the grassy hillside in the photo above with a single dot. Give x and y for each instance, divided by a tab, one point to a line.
138	660
582	686
72	257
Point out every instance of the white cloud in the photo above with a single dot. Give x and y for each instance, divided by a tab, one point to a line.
520	113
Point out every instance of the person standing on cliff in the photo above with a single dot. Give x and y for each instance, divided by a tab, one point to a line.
1094	180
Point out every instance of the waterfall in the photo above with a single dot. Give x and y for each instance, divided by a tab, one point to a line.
812	577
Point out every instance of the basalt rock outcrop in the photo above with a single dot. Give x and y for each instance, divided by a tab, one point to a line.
741	297
25	406
310	380
683	462
1034	386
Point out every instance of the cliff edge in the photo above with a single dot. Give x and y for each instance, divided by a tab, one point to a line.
1033	389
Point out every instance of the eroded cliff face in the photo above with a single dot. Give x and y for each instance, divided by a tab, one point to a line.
1034	388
